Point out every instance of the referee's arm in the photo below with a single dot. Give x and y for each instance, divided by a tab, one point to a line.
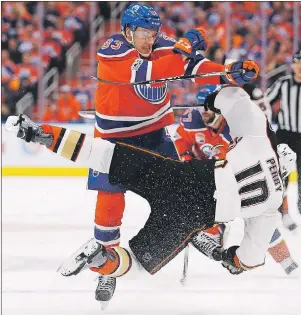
271	96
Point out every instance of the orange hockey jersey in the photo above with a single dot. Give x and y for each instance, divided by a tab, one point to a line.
196	140
125	111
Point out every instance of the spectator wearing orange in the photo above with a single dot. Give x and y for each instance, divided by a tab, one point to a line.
26	70
62	35
82	93
68	103
53	112
13	49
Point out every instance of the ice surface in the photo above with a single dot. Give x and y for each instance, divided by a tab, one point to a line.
44	220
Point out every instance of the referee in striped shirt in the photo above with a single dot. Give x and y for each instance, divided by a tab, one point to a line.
287	91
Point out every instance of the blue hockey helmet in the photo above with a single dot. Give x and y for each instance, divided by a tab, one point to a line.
206	91
206	96
140	15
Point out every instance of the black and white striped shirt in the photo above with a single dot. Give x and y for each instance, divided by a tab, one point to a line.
287	90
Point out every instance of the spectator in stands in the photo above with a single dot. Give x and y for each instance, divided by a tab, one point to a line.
8	68
52	14
13	48
26	34
68	103
53	112
82	92
60	34
6	110
26	70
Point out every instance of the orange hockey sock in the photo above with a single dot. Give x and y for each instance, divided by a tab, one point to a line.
109	209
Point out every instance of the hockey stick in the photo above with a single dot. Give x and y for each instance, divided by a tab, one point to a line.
170	79
90	113
185	266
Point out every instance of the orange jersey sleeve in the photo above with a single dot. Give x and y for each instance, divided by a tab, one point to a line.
136	69
205	66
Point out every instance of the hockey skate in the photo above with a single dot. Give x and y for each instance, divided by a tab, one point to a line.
105	290
28	130
91	254
289	266
209	244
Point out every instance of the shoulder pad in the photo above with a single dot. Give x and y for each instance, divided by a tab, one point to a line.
115	46
192	120
164	42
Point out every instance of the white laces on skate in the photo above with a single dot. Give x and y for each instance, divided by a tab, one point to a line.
205	243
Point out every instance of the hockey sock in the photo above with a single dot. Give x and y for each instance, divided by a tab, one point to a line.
108	215
280	252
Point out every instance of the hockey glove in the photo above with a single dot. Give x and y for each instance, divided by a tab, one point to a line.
28	130
191	42
251	72
231	261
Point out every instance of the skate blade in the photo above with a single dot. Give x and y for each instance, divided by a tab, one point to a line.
66	272
103	305
295	273
71	261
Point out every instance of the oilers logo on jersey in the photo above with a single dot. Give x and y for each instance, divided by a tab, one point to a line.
207	149
154	95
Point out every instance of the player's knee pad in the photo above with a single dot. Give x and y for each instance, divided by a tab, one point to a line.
119	262
108	216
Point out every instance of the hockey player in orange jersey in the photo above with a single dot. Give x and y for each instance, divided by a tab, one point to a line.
138	114
205	134
202	135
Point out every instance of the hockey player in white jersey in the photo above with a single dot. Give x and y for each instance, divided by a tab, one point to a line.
185	197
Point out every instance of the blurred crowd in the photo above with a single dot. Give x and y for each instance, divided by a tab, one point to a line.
28	52
244	27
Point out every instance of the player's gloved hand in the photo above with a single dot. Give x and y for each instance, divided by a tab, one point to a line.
251	72
231	261
27	130
287	159
191	42
207	95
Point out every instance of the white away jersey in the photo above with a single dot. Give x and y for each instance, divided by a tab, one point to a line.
250	185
